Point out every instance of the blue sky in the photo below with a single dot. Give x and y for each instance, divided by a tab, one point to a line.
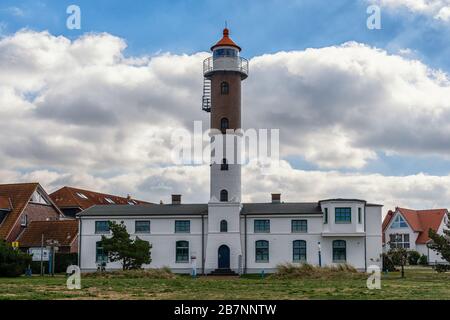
260	27
186	26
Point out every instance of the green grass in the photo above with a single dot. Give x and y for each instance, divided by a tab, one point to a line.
420	283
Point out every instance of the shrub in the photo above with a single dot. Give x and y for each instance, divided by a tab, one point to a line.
442	268
423	260
289	270
413	257
12	262
162	273
388	264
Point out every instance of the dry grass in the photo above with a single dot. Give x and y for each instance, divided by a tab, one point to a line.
307	271
163	273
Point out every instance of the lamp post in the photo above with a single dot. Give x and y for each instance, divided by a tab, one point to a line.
320	254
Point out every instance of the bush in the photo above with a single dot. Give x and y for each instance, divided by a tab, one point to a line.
413	257
388	263
290	270
423	260
13	263
163	273
442	268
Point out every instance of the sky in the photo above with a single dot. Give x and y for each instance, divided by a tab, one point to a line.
361	112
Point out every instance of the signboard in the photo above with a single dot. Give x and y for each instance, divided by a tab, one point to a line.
36	252
15	244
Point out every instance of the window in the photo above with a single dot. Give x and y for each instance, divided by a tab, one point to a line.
224	165
359	216
37	197
224	88
224	125
343	215
399	222
262	251
223	226
82	196
182	226
109	201
299	226
262	226
339	251
219	53
142	227
224	196
399	241
182	251
101	256
101	227
325	216
24	220
299	251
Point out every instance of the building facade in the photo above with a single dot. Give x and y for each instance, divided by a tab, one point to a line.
408	228
226	235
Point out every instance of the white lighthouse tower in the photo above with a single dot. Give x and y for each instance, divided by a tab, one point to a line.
223	73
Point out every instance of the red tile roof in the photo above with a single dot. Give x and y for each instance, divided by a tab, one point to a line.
226	41
64	231
420	221
19	195
5	203
68	197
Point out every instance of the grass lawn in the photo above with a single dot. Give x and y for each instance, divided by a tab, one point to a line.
420	283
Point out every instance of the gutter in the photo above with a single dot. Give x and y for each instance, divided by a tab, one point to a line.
245	244
203	244
79	241
365	240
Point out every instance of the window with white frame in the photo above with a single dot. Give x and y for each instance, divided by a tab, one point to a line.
399	240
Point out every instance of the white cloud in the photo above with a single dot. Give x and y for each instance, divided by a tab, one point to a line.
438	9
81	113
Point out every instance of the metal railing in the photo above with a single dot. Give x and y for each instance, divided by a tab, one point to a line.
238	64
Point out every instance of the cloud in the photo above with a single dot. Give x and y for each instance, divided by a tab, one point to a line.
438	9
15	11
80	112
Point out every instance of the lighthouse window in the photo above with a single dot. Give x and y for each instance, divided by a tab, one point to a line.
223	226
225	53
224	88
224	196
224	125
224	165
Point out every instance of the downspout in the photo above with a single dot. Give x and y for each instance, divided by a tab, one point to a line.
203	244
365	240
245	244
79	241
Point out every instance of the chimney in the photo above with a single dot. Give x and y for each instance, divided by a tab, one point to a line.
176	199
276	197
128	197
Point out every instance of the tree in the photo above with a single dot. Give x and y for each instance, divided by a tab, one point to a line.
441	243
399	257
120	247
13	262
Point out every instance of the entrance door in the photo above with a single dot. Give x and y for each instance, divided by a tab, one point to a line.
224	257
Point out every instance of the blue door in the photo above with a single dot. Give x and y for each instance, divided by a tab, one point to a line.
224	257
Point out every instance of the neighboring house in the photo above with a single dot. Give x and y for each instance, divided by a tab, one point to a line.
408	229
21	204
72	200
63	231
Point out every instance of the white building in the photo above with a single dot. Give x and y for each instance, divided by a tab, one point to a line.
226	235
408	229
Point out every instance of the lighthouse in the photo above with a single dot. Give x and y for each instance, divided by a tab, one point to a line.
223	73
